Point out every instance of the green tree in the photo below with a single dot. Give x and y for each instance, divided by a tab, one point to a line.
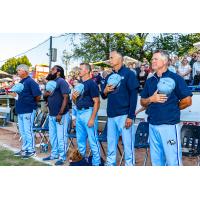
176	42
11	64
94	47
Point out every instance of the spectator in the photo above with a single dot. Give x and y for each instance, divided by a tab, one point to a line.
184	70
176	62
196	66
171	67
196	71
142	76
193	60
96	76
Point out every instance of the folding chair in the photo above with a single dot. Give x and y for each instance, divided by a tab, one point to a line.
141	140
38	125
102	136
71	135
190	140
44	130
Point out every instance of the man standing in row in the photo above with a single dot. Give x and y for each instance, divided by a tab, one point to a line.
58	115
122	101
26	106
164	95
87	105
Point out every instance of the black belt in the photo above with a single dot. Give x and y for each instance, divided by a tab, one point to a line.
83	108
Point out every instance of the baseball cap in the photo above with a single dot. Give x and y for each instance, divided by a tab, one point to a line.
24	67
114	79
17	88
79	88
166	85
51	86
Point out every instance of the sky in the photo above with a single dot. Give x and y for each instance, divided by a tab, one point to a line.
12	44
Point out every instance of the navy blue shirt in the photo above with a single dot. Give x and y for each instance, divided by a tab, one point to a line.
97	79
168	112
123	100
26	102
91	91
55	100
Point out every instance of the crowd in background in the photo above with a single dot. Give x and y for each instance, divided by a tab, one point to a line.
187	66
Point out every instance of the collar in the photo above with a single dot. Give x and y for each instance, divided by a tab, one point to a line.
121	68
165	74
25	78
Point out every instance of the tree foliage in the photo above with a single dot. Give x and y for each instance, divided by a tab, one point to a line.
94	47
11	64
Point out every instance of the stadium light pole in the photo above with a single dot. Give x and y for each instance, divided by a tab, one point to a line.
50	52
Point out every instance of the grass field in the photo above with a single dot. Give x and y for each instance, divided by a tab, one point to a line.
7	159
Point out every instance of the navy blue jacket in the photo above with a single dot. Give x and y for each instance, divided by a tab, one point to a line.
26	102
168	112
123	100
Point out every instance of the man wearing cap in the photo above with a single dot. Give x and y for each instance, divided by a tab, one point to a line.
122	101
87	105
164	95
25	106
58	98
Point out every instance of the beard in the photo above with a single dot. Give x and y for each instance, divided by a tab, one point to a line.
51	77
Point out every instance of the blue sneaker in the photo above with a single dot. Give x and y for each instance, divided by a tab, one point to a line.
59	162
20	153
28	155
49	158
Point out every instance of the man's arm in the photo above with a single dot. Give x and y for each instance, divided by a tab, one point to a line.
63	107
155	98
95	110
186	102
107	89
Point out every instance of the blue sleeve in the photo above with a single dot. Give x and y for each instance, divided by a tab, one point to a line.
64	87
94	90
145	92
132	84
35	90
181	89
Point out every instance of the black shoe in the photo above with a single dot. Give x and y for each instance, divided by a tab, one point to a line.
59	162
28	155
49	158
20	153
